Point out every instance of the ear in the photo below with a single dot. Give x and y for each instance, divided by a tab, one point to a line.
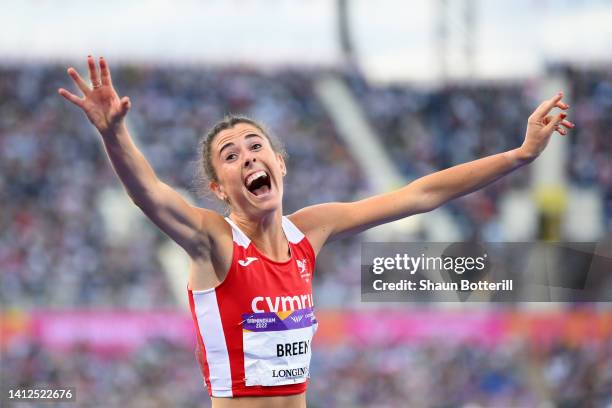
217	188
281	161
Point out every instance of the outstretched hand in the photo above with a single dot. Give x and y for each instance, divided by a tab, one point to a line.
100	102
542	124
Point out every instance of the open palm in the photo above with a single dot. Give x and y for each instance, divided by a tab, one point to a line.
100	102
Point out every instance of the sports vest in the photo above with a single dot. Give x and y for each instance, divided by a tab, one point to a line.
254	330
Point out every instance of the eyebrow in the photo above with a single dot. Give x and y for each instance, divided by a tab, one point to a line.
230	144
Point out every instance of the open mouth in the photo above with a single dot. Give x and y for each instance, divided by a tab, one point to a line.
258	183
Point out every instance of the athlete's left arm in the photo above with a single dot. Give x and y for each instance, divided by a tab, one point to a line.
325	222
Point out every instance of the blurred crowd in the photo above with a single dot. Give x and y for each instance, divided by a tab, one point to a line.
590	161
446	374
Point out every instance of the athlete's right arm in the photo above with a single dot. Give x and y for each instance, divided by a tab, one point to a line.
182	222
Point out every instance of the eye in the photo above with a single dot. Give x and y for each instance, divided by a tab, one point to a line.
230	157
256	146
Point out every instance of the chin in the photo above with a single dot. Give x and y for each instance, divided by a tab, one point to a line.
268	203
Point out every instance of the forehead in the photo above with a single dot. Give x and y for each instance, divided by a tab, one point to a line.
236	133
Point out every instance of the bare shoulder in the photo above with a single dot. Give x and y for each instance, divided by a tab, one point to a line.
314	217
316	222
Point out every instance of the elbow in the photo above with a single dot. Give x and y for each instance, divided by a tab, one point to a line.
140	204
417	198
137	202
426	207
143	201
429	201
436	201
417	205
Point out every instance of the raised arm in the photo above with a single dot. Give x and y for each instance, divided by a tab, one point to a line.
332	220
164	206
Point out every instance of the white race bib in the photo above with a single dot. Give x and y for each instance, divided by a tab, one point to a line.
277	346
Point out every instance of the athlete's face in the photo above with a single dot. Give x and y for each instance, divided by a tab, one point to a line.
249	171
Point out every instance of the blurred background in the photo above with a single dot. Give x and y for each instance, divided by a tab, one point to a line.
367	96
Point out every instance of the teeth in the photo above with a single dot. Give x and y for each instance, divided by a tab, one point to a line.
254	176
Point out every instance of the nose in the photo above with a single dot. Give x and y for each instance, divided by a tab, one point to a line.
249	161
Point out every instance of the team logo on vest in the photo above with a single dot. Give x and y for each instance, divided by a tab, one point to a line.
304	274
248	261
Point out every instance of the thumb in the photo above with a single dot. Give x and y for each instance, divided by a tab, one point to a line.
556	120
126	104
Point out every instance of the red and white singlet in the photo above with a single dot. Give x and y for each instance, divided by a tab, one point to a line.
254	330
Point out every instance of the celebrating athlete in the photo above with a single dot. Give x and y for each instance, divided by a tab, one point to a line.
250	279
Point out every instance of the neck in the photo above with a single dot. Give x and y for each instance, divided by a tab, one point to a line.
266	233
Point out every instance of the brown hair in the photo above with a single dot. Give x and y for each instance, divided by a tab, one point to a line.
205	169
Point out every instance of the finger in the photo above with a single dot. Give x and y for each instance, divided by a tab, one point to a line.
561	131
126	104
546	106
105	72
93	70
71	97
555	122
78	80
568	124
562	105
547	119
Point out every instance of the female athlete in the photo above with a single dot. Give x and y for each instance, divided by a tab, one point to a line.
250	287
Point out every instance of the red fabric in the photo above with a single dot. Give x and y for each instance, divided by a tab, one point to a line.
262	278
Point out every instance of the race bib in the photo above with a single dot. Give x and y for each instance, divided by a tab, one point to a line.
277	346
